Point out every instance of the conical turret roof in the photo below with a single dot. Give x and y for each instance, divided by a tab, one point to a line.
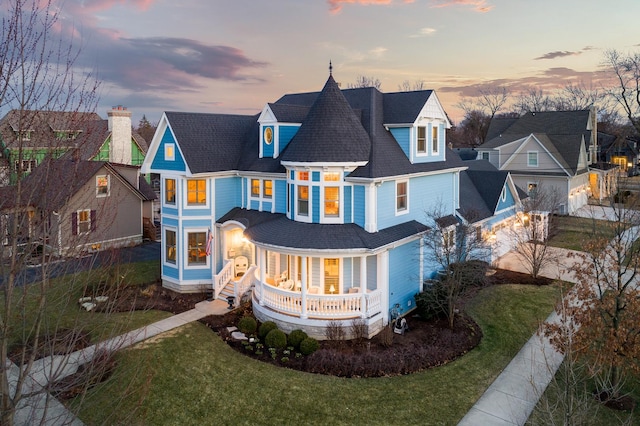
331	131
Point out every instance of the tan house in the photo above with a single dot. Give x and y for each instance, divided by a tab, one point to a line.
74	206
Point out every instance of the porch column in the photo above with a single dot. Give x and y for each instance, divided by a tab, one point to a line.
262	254
363	287
383	283
303	287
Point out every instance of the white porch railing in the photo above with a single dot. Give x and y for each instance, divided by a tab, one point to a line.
221	279
321	306
245	282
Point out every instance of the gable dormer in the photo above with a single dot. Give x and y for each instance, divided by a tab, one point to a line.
278	125
420	131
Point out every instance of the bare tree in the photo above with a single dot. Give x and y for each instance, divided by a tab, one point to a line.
533	99
407	86
532	228
603	307
40	321
626	69
456	248
481	109
365	81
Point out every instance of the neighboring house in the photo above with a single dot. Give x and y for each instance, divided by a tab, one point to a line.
28	137
95	207
490	201
618	150
551	151
319	203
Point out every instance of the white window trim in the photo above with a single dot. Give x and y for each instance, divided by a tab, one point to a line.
435	127
164	246
340	274
446	231
426	141
168	157
98	194
339	217
309	216
395	198
163	189
185	249
296	183
185	198
537	159
78	222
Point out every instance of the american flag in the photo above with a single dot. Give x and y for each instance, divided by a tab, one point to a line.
209	239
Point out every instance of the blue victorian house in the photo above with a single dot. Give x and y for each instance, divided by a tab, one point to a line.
317	203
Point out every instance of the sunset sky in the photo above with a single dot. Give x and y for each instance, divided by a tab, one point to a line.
233	56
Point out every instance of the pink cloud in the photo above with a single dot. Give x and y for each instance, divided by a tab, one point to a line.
478	5
335	6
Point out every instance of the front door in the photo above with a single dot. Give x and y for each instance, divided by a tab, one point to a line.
331	276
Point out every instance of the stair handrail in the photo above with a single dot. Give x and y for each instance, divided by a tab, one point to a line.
243	285
221	279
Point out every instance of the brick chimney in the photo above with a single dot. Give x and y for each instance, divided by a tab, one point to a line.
120	127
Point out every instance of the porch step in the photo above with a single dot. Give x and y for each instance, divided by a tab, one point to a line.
227	291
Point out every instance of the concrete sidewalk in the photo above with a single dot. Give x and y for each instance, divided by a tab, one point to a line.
513	395
44	406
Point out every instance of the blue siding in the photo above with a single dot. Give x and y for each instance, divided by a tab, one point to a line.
403	138
228	194
254	204
169	211
426	194
404	278
267	149
358	205
347	273
315	176
509	200
197	274
316	278
280	192
169	222
160	163
347	205
266	206
169	271
195	212
372	272
195	223
286	133
315	197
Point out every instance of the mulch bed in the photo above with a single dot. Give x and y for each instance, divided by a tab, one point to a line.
426	344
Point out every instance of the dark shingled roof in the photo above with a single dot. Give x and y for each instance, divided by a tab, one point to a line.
277	230
75	174
211	142
480	188
289	113
404	107
44	125
331	131
336	126
561	132
49	197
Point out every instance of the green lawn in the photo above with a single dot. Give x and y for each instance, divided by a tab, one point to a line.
191	377
62	311
571	232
